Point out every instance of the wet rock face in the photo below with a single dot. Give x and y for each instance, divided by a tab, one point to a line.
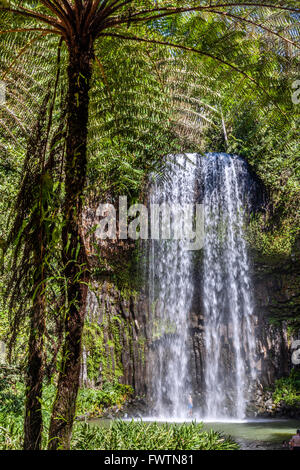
114	345
274	357
277	298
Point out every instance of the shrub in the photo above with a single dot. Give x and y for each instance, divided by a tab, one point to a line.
94	400
287	389
144	436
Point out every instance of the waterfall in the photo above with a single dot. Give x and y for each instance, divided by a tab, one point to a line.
226	302
171	292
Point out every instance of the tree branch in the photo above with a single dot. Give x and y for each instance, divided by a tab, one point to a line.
67	17
105	13
78	11
89	13
68	9
55	8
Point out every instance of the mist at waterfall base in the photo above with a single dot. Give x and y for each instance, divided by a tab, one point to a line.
221	183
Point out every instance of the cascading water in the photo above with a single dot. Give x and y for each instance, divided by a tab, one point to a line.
229	342
228	309
171	291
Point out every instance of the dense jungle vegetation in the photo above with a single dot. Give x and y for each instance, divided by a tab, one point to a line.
97	92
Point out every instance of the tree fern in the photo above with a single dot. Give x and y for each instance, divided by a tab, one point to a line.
221	48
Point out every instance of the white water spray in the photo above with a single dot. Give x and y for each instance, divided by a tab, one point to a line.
171	291
228	309
229	352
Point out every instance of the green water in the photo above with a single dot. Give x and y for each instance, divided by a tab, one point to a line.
254	434
258	434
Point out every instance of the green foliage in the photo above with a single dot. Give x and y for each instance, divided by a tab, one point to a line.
275	242
11	432
11	409
12	396
126	436
272	151
93	401
287	389
130	118
143	436
11	392
120	436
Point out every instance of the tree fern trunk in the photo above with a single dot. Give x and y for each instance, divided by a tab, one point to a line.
33	424
79	75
